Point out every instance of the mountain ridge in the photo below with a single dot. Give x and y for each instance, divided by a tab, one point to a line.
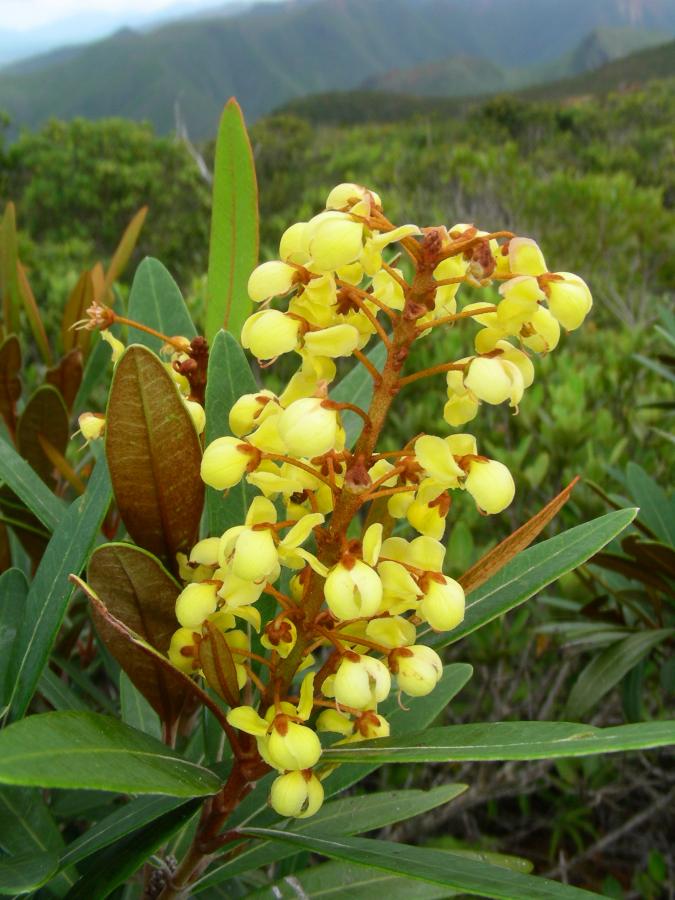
269	56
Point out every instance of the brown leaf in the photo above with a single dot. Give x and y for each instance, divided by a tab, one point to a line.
81	297
66	376
33	313
5	549
10	385
125	248
629	568
164	686
45	414
10	297
218	666
154	455
497	558
653	554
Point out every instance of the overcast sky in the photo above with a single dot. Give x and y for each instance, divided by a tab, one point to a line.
27	14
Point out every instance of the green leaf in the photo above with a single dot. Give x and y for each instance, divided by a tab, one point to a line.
496	741
125	820
656	510
51	589
10	298
154	455
357	387
155	300
135	587
534	569
88	750
349	815
347	881
57	693
27	824
442	867
114	865
233	250
21	478
607	669
135	709
229	376
24	873
13	595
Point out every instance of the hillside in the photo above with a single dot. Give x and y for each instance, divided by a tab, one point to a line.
345	107
270	55
463	76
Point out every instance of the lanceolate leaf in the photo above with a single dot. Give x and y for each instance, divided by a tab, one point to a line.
13	594
20	477
656	510
229	376
217	664
155	300
534	569
9	283
349	815
233	250
45	415
125	247
26	872
10	385
348	881
608	668
497	558
492	741
468	876
135	654
154	456
51	590
135	709
138	591
66	377
33	314
87	750
80	298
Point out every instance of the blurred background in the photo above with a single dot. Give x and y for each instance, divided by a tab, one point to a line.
553	118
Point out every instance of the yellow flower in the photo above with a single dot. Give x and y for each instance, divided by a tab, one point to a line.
525	257
91	425
197	414
296	794
338	340
443	603
250	410
182	650
391	632
490	484
269	333
194	603
569	299
353	591
360	683
271	279
494	380
335	240
224	462
308	428
418	670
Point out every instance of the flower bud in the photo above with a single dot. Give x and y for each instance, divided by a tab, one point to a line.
494	380
251	553
293	246
292	746
362	683
297	794
525	257
269	333
335	240
91	426
183	639
307	428
491	485
353	592
224	463
442	605
347	194
197	414
271	279
418	670
250	410
194	603
338	340
569	300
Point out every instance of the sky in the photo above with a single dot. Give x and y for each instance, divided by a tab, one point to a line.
24	15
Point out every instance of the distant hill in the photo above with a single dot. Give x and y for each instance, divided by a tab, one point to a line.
269	55
353	107
465	76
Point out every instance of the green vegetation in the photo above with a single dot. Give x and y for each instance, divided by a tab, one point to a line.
592	181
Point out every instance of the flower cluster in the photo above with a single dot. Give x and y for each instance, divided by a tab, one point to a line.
353	602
